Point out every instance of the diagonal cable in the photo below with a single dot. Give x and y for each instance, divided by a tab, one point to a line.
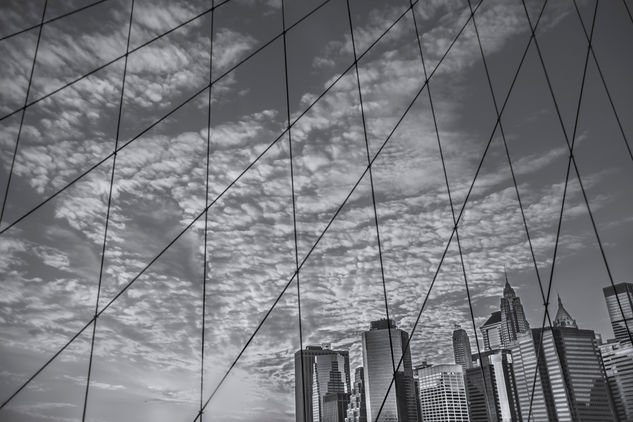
571	161
516	187
371	183
26	100
56	18
161	119
294	212
114	60
604	83
572	157
505	102
217	198
107	221
206	212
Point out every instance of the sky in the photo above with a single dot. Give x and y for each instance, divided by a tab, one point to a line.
147	349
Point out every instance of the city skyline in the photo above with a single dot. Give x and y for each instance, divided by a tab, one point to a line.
137	304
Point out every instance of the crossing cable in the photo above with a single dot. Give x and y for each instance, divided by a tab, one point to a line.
371	183
101	67
516	187
505	102
107	221
604	83
26	99
163	117
217	198
573	161
628	11
570	161
56	18
337	212
206	212
294	213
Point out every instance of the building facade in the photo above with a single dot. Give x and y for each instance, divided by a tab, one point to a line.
570	380
461	348
356	409
513	321
324	371
443	394
491	332
491	388
621	320
618	364
399	405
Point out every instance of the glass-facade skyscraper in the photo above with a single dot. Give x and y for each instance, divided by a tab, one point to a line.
570	380
623	292
495	399
461	348
325	381
443	393
400	404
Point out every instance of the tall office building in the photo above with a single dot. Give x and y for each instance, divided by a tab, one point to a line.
356	409
570	380
491	332
513	321
494	399
323	385
461	348
618	365
443	394
399	405
623	292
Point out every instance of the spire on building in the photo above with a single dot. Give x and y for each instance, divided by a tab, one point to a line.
513	321
508	291
563	319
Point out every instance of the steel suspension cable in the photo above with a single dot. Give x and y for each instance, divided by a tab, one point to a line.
516	187
107	221
56	18
604	83
573	160
161	119
206	212
26	100
540	350
104	65
217	198
485	152
337	212
628	11
294	213
371	183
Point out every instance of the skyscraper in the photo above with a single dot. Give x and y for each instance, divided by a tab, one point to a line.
325	373
491	332
443	394
356	409
496	399
570	380
400	405
623	292
461	348
618	365
513	321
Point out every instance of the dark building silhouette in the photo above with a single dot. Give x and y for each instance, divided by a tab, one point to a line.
461	348
356	409
619	322
400	404
494	399
491	332
570	379
325	373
